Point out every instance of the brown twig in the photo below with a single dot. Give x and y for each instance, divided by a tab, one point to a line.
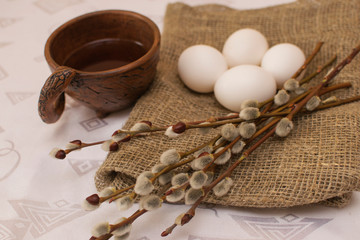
318	70
308	60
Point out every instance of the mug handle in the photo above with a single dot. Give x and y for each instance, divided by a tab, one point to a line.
52	96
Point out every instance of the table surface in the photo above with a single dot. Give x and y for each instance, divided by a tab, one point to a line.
41	196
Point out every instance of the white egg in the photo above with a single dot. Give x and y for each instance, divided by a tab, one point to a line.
244	82
245	46
199	66
282	61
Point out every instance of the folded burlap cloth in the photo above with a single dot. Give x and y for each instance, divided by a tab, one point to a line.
318	163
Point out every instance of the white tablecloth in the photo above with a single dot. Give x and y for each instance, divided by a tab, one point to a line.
40	196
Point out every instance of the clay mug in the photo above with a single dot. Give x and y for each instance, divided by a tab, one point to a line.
105	59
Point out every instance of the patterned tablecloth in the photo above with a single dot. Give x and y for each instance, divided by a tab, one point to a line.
40	196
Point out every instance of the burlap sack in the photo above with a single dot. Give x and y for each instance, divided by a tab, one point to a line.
318	163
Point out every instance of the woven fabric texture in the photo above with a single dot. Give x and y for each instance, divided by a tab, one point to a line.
318	163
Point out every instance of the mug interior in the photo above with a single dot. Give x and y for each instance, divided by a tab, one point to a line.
103	28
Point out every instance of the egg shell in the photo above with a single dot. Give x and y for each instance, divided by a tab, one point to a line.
282	61
241	83
245	46
199	66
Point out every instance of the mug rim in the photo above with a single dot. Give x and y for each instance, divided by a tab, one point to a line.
138	62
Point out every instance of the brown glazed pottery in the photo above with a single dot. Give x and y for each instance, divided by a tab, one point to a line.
105	59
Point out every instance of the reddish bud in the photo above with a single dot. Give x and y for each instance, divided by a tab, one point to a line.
203	154
168	230
93	199
114	147
116	132
93	238
76	142
164	233
60	154
147	122
126	139
180	127
168	192
186	218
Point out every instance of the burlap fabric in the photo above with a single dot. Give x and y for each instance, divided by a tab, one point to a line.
318	163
